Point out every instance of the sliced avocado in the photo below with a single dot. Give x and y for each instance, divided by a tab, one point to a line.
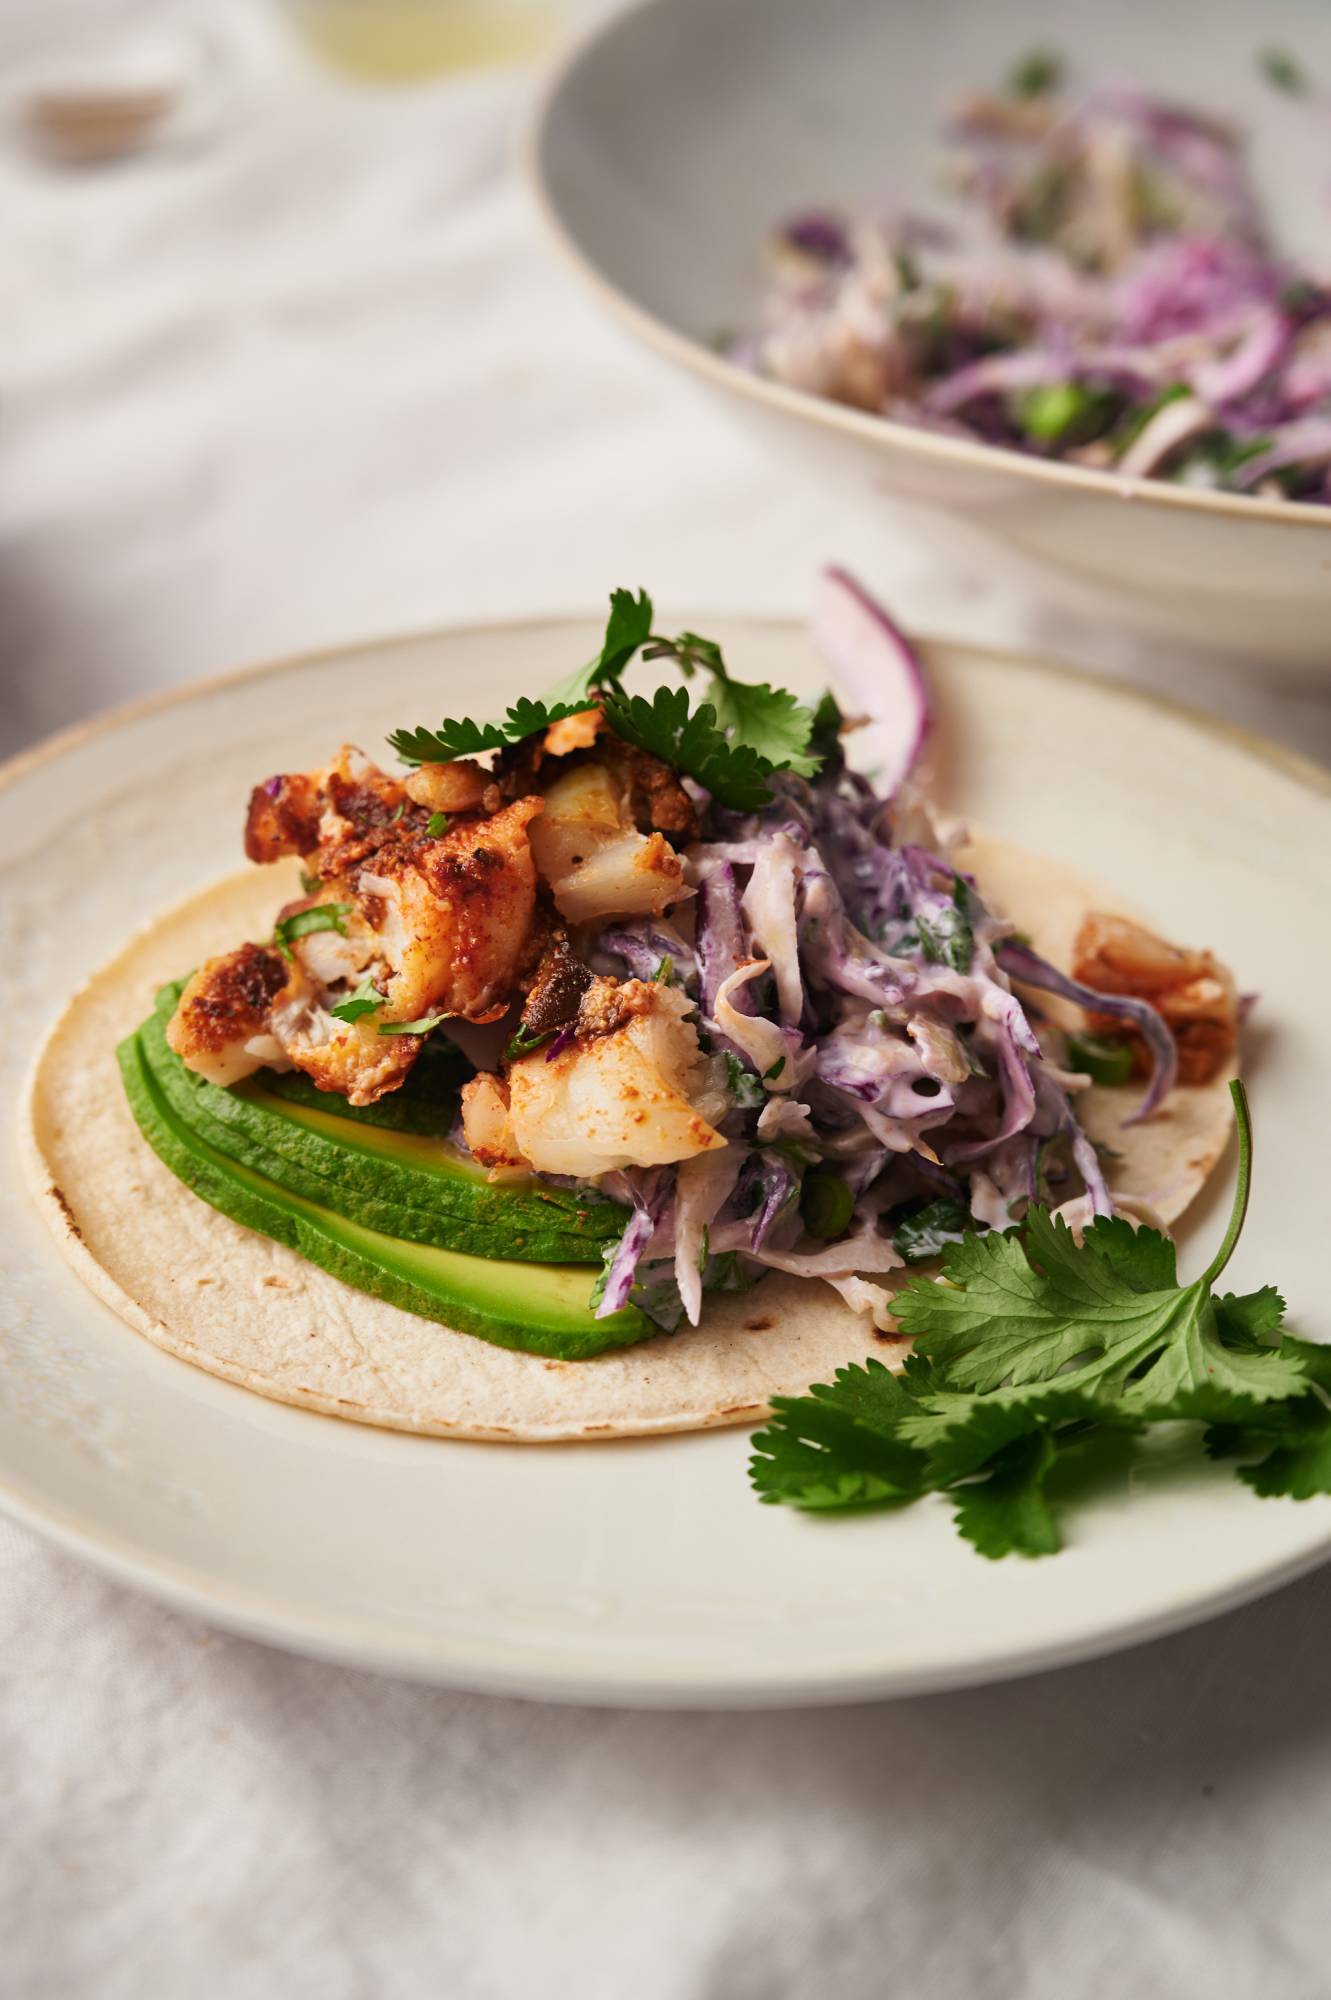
402	1183
538	1308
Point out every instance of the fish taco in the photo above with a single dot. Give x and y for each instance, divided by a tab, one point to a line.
606	1069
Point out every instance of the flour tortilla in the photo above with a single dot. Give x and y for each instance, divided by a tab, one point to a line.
230	1301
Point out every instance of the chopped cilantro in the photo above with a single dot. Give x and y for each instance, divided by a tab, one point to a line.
422	1026
323	917
367	999
1031	1351
742	1084
775	1070
523	1042
436	824
926	1231
946	937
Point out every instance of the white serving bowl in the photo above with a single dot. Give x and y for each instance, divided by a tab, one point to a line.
672	139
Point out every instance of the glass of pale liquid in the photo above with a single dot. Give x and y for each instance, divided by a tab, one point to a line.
407	41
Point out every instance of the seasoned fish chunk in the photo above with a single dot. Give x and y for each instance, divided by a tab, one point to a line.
486	1124
349	1057
596	861
623	1094
350	799
455	916
224	1007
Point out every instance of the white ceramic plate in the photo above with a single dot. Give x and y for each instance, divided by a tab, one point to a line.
674	138
640	1572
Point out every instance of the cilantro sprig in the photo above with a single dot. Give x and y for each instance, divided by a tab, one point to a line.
1033	1355
733	743
627	630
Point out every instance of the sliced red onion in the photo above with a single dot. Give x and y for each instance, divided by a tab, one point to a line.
877	671
1025	965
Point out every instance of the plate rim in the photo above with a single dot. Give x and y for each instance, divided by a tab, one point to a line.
548	1674
558	1677
802	405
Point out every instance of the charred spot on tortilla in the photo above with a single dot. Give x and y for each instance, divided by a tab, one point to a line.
71	1220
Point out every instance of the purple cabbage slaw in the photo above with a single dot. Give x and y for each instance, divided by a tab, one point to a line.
1106	293
856	993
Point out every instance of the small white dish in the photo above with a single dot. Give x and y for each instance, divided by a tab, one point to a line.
675	136
639	1572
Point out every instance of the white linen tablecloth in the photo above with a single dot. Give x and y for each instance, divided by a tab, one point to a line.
322	380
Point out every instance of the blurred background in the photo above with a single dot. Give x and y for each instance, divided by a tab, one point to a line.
286	361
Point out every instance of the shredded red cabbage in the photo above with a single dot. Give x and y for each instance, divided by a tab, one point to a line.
1104	258
855	1002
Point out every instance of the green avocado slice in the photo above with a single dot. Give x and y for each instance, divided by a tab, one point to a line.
403	1183
538	1308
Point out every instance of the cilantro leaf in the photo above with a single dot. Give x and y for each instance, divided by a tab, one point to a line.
422	1026
367	999
1299	1465
1031	1353
837	1447
1016	1312
766	719
1254	1320
627	629
690	741
1296	1436
450	740
825	733
769	720
1008	1511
